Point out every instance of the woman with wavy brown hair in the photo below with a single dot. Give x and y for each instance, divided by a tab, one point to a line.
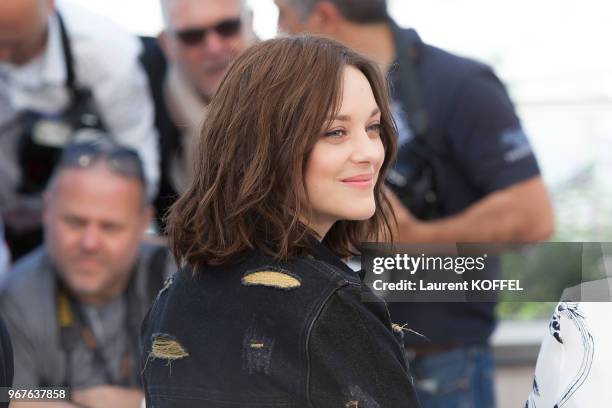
289	179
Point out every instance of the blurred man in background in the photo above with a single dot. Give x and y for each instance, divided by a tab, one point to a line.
201	38
74	306
64	74
465	173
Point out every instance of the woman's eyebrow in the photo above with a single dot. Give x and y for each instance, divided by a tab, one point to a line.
346	118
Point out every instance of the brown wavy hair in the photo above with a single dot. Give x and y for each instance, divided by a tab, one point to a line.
272	106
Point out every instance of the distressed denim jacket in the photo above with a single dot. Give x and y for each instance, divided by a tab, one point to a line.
262	333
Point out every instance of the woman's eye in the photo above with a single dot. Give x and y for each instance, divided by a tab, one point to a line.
376	127
335	133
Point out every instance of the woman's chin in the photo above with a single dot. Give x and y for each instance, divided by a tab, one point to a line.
362	213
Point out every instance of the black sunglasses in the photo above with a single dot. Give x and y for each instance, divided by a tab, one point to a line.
121	160
194	36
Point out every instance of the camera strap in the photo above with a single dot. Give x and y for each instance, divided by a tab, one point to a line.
74	327
407	47
80	98
45	135
68	57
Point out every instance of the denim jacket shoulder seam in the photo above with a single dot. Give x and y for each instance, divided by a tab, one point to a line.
311	325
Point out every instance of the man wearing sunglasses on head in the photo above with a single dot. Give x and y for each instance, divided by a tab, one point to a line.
74	306
200	40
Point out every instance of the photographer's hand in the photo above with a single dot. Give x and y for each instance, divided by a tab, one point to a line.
518	214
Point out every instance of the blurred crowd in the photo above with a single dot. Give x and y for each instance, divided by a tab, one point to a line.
96	143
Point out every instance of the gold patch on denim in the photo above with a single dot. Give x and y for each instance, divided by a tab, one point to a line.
166	347
272	279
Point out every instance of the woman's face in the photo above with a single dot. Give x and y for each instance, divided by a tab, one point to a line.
344	164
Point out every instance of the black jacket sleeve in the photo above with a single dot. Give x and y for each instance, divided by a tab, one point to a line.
6	360
354	357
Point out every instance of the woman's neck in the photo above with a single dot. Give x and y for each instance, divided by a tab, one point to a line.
320	226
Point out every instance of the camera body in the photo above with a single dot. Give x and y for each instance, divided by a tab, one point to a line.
44	136
414	178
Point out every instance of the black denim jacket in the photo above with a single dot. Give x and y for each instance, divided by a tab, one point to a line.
261	333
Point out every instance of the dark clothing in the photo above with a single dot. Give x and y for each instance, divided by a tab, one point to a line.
476	141
264	333
6	361
155	65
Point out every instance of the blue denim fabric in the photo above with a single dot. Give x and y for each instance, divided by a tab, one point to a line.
460	378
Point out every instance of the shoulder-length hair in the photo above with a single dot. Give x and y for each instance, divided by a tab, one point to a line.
247	191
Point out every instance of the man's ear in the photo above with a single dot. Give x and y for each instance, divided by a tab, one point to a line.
51	6
325	18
